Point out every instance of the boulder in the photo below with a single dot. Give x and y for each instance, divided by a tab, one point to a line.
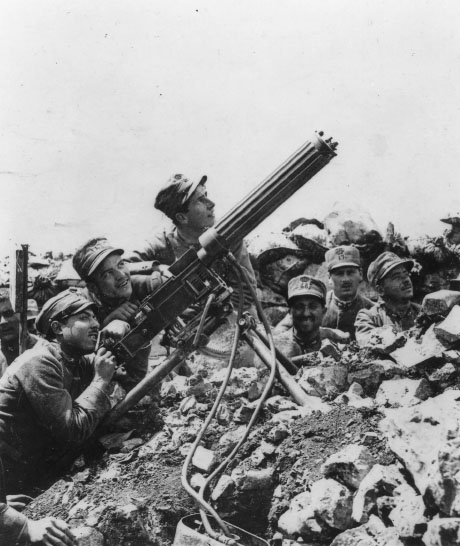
418	352
440	302
408	513
444	377
300	518
324	380
204	459
424	438
354	397
349	465
448	331
442	532
372	533
380	481
369	377
224	488
332	503
395	393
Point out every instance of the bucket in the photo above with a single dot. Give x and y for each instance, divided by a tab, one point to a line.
190	532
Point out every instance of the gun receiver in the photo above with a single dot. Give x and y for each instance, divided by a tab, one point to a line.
193	279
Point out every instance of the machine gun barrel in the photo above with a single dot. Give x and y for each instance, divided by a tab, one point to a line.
268	196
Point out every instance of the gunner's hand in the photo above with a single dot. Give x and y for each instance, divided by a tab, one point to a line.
115	330
125	312
50	532
104	365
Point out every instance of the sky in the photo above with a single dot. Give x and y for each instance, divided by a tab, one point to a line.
103	101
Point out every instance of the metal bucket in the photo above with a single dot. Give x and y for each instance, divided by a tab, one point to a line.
188	533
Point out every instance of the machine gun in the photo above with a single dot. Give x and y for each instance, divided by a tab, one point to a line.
193	280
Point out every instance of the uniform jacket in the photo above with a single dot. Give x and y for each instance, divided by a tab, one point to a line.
342	315
367	320
168	245
291	345
49	403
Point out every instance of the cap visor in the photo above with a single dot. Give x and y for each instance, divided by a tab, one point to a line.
343	264
408	264
309	294
102	256
194	186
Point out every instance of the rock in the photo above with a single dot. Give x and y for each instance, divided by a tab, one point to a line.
255	390
395	393
391	368
440	302
372	533
229	440
419	351
330	349
197	481
199	389
324	380
354	397
300	518
224	488
369	377
131	444
332	503
442	532
158	440
424	439
280	403
349	465
385	340
127	511
380	481
370	438
187	404
408	514
444	377
278	433
448	331
244	413
241	379
223	414
87	536
252	480
452	356
204	459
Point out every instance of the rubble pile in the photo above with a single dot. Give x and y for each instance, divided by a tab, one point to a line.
371	458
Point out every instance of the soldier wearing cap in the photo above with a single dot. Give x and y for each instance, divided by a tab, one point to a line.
186	203
344	301
390	275
306	301
53	396
116	293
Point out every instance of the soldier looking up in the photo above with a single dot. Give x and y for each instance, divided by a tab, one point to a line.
390	275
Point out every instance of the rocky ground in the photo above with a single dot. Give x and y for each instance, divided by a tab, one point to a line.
372	458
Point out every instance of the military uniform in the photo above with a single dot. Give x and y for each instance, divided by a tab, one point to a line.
290	344
379	315
48	404
341	315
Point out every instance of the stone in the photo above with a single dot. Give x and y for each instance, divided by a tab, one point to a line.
384	339
279	432
448	331
223	414
353	397
204	459
330	349
127	511
380	481
324	380
418	352
229	440
244	413
369	377
224	488
300	518
252	479
444	377
396	393
424	438
349	465
158	440
280	403
241	379
255	390
187	404
452	356
442	532
440	302
332	503
372	533
131	444
197	481
408	514
87	536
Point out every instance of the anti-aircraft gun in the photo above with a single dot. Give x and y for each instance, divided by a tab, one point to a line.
193	280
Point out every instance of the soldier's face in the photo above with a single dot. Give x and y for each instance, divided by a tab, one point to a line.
307	314
200	214
9	322
113	279
79	332
397	285
345	282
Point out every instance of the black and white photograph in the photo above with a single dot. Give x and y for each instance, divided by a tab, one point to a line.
229	273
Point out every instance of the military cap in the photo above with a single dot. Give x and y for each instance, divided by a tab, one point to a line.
88	257
383	264
304	285
342	256
176	192
64	305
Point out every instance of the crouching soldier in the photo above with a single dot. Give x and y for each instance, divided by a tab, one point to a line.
116	293
390	275
307	306
53	396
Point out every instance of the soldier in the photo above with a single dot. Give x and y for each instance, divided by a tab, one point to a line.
186	203
54	395
390	274
306	301
116	294
344	300
9	332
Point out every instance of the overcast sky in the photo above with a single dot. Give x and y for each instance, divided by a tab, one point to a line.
103	101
